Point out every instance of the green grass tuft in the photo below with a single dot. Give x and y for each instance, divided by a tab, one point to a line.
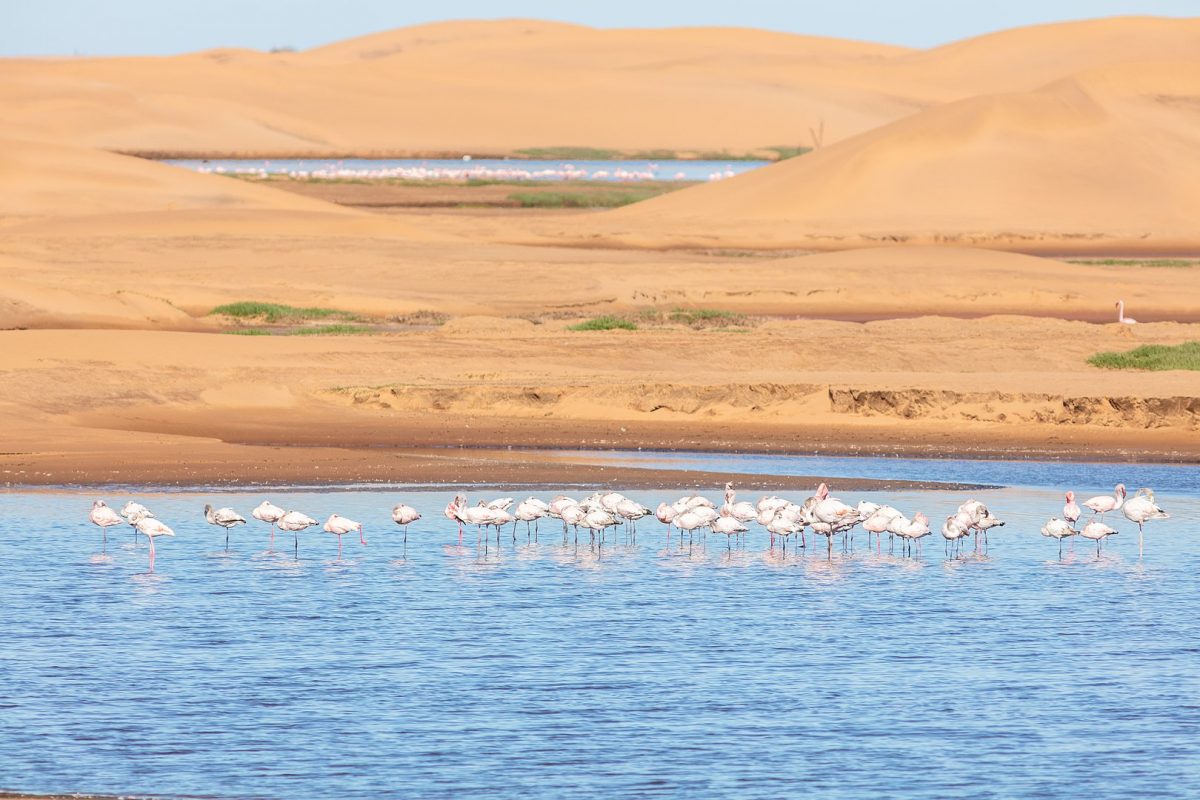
318	330
1152	357
613	199
706	317
275	312
604	323
250	332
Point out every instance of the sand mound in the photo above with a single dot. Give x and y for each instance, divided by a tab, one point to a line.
473	326
1109	159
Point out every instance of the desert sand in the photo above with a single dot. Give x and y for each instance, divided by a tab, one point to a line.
901	289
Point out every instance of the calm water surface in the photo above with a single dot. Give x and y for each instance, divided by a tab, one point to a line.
546	670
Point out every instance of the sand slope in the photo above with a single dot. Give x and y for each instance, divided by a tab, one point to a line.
488	87
1107	160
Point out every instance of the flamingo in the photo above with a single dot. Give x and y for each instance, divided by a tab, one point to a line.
294	522
269	513
1097	531
1121	314
150	528
915	529
340	526
784	524
225	518
742	512
610	501
599	520
954	529
1071	510
1102	504
573	515
666	515
730	526
105	517
1141	508
404	516
451	513
631	511
1059	529
878	523
131	511
689	521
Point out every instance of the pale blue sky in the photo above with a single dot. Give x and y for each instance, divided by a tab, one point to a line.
105	27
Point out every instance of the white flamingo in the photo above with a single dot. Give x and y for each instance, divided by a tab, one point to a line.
1097	531
1121	314
223	517
1058	529
1141	508
631	511
666	515
339	526
730	526
132	512
151	528
404	516
742	512
105	517
530	510
954	530
1103	504
293	522
267	512
784	524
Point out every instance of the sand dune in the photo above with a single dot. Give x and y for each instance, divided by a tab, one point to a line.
1103	161
495	87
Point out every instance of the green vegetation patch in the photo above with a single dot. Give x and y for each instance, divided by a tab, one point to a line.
1136	262
706	318
1152	357
275	312
316	330
610	199
569	153
604	323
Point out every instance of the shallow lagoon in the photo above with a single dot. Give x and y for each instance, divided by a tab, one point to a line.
543	669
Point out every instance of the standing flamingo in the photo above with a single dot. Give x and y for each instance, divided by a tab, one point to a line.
339	526
530	510
267	512
1121	314
294	522
404	516
1058	529
105	517
730	526
223	517
1097	531
742	512
451	513
132	511
1102	504
1141	508
1071	510
151	528
666	514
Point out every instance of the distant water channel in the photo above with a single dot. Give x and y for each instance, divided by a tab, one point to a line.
476	169
548	669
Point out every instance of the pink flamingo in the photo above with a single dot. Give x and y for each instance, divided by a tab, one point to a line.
404	516
1097	532
1071	510
294	522
1121	314
225	518
340	526
1141	508
451	513
105	517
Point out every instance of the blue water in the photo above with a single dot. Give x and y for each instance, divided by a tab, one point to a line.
550	670
481	169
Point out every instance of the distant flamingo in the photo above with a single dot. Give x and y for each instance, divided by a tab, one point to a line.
1121	314
404	516
954	531
105	517
294	522
151	528
631	511
266	512
1103	504
1058	529
742	512
132	511
1097	531
1141	508
223	517
730	526
1071	510
666	515
340	526
451	513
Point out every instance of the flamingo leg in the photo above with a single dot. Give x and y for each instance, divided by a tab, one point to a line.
296	539
151	538
339	547
1140	524
227	540
271	546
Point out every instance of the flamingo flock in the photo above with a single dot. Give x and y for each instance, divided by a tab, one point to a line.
1141	508
476	171
595	515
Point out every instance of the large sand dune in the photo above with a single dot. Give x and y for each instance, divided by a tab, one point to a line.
500	86
1108	160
